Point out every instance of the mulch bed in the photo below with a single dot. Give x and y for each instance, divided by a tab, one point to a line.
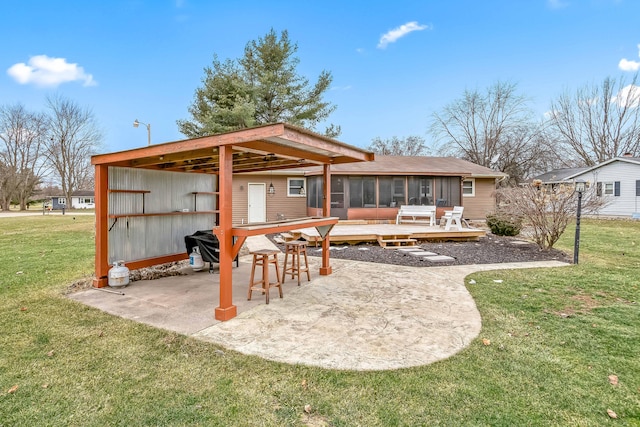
488	250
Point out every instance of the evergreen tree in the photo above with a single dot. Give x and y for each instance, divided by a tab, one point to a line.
260	88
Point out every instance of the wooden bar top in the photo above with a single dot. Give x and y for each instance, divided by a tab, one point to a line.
284	225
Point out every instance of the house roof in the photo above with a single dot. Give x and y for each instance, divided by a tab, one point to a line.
558	175
414	165
274	146
80	193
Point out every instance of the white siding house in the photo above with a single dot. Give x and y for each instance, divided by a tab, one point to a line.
618	180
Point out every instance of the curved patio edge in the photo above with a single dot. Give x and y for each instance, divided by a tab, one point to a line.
364	317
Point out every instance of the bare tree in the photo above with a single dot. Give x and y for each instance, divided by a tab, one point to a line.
409	146
7	185
546	209
492	129
73	137
598	123
22	134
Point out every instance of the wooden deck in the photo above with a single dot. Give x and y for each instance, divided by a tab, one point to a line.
392	235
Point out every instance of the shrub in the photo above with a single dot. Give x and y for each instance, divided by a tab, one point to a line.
502	225
546	209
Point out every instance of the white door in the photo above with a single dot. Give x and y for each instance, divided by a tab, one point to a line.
257	202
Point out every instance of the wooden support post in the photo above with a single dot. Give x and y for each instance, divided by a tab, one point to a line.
102	225
325	270
223	231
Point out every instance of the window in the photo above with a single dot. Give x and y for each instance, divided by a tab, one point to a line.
469	187
447	191
314	192
608	188
337	192
398	191
62	200
637	188
391	191
362	192
420	190
384	191
296	187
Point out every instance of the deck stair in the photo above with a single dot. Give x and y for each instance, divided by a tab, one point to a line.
395	241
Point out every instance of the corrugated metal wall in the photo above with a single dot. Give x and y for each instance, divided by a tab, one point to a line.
138	237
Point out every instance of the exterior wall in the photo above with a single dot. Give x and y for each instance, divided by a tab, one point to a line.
76	202
279	205
627	174
482	202
79	202
378	214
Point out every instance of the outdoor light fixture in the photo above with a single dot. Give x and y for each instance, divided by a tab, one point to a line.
268	158
136	123
580	188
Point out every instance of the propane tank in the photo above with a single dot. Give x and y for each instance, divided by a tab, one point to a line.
118	275
195	259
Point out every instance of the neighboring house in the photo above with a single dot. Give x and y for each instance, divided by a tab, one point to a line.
368	190
617	179
558	176
81	199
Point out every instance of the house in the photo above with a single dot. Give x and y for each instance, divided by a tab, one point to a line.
558	176
81	199
368	190
617	179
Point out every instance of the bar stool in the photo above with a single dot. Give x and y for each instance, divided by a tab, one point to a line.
295	248
262	258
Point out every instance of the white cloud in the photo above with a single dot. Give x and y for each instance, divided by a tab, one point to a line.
341	88
44	71
393	35
628	96
629	65
626	65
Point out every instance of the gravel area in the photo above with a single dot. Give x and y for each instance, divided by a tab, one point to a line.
488	250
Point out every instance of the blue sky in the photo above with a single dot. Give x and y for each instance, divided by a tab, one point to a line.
393	63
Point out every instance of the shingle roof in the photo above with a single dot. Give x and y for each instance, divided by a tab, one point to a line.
558	175
413	165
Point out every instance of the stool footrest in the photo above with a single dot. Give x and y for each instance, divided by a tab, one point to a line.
262	258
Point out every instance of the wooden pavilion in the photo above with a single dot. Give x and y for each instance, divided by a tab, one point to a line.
269	147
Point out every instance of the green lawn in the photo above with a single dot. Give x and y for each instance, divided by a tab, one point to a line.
555	336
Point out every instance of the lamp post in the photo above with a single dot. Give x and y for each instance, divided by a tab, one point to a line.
580	187
136	123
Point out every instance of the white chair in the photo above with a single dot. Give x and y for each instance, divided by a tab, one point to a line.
453	218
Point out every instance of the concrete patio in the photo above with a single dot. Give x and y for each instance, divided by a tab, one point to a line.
364	316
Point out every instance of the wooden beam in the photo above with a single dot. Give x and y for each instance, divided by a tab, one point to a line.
326	144
223	231
188	145
102	223
325	270
283	150
282	226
